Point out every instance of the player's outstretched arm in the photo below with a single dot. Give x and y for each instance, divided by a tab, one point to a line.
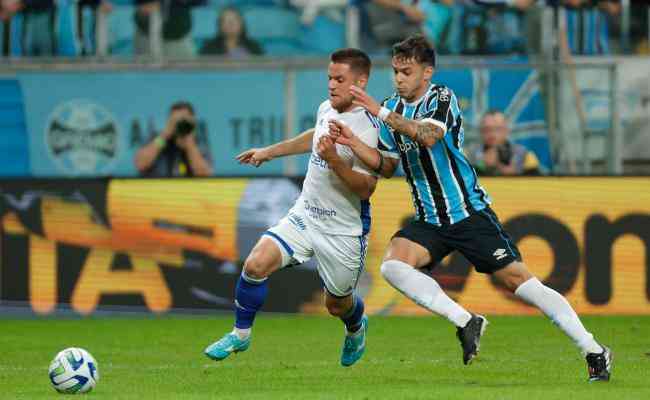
296	145
423	132
370	156
362	184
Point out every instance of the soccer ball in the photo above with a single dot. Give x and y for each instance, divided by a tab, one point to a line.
73	370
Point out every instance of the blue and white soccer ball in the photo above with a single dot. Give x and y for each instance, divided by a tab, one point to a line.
73	371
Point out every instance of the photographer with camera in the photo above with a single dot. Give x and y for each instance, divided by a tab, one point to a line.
497	155
175	151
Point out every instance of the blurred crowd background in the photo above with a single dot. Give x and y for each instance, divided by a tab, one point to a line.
556	87
185	29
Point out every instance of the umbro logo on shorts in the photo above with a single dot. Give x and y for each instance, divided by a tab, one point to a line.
500	253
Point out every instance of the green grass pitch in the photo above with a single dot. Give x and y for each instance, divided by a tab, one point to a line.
297	357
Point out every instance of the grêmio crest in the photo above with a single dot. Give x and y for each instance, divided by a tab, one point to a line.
82	137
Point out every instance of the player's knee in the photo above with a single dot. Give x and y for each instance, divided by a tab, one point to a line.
391	269
514	275
256	268
336	307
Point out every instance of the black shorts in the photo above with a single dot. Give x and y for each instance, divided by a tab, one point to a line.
479	237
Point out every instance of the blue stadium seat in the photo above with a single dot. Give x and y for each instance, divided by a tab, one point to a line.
282	47
323	37
16	49
121	30
67	28
204	24
265	23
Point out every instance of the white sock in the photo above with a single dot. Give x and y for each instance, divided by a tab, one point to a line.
555	306
242	334
424	291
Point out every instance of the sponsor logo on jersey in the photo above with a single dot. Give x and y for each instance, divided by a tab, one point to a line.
408	146
319	212
318	161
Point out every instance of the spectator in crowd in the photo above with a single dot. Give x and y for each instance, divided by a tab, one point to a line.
497	155
177	41
393	20
437	22
584	26
38	28
640	27
86	33
175	151
311	8
232	39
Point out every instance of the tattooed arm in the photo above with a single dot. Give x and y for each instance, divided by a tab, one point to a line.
423	132
426	132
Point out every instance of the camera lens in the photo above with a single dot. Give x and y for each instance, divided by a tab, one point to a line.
184	127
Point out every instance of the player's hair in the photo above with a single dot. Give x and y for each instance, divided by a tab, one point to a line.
417	48
182	105
355	58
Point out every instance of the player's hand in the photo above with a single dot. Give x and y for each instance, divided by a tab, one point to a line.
340	133
326	148
255	157
363	99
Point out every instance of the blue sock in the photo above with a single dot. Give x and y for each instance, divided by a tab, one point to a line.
352	319
249	298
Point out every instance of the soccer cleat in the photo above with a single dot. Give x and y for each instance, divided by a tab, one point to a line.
470	337
228	344
600	365
355	345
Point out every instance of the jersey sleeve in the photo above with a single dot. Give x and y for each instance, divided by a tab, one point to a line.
386	143
439	108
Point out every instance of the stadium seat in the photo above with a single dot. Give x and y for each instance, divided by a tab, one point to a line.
67	28
323	36
282	47
204	24
265	23
121	30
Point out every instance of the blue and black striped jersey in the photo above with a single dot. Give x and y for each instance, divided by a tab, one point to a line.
444	186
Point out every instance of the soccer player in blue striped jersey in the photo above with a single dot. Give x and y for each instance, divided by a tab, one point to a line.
423	129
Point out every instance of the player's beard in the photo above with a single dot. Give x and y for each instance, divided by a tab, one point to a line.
342	104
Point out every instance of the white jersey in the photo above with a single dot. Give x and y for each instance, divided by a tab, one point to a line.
326	202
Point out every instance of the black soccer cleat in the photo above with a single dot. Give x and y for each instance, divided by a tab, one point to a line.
470	337
600	365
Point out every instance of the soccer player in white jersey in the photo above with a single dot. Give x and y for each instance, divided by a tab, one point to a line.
423	128
330	220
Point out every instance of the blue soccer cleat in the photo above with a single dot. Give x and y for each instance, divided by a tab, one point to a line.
355	345
228	344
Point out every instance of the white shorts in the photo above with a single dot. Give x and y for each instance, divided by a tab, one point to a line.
341	259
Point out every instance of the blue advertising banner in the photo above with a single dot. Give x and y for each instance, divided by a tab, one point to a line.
93	123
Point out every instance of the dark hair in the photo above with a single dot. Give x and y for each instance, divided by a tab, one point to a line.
415	47
182	105
355	58
218	44
492	112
